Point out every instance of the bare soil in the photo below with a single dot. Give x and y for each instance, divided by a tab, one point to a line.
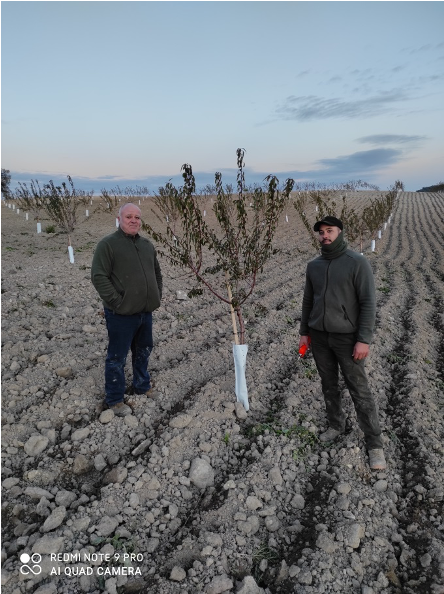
280	512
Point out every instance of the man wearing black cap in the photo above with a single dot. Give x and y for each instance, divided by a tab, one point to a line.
338	317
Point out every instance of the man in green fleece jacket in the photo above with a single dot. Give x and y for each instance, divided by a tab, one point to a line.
127	276
338	319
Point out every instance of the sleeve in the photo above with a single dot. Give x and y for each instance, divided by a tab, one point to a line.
366	294
307	305
101	271
158	274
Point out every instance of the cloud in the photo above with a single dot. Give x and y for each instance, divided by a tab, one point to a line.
111	177
306	108
427	47
391	139
361	162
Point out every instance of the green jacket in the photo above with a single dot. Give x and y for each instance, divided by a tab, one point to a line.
126	273
339	293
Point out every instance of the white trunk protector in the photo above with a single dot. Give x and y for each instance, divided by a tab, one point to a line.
240	364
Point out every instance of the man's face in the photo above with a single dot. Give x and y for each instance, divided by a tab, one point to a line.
130	219
328	233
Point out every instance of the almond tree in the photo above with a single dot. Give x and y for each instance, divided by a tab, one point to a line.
107	201
30	199
227	259
301	203
6	180
166	201
61	204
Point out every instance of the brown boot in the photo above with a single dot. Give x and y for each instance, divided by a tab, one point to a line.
377	459
329	435
152	393
121	409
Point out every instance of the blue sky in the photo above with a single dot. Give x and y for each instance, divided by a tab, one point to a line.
124	93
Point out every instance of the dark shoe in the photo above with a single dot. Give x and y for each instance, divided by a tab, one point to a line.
377	459
121	409
330	435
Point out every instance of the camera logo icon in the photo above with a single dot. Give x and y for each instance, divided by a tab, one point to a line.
35	560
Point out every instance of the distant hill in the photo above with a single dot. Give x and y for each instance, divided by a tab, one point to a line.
439	187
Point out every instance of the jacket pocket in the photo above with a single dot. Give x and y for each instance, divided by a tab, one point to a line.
346	316
118	285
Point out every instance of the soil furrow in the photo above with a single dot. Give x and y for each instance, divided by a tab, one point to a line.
413	515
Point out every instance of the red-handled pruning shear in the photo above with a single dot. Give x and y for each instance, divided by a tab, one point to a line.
304	348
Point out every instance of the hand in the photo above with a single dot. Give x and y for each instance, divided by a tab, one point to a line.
360	351
304	340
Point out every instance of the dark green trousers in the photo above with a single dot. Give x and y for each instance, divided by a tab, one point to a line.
331	352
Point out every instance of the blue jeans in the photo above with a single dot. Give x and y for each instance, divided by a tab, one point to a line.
133	332
332	351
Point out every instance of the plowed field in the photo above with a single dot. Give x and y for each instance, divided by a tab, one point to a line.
283	513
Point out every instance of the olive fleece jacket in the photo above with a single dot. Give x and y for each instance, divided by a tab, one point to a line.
339	293
126	274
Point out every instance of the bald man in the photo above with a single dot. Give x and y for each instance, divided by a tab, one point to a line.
127	276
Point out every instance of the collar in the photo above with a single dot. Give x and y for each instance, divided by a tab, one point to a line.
334	249
136	236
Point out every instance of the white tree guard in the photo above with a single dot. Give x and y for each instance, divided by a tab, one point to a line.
71	254
240	363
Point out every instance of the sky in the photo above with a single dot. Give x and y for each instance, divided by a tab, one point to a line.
125	93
